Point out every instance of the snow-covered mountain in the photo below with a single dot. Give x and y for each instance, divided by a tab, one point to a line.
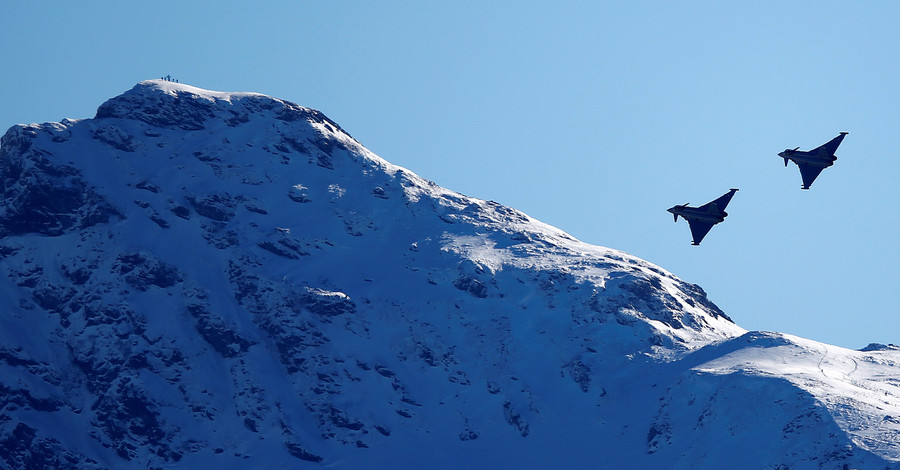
228	280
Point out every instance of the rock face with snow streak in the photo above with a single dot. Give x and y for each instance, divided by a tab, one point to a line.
231	279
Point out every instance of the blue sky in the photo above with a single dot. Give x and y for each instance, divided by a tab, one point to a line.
592	116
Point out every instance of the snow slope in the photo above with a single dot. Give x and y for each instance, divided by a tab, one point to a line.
228	279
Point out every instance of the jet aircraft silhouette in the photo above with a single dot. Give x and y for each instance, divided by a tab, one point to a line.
812	162
701	219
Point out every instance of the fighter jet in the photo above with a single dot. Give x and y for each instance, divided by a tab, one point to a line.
701	219
812	162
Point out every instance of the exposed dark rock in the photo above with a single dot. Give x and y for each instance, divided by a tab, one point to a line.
25	448
297	451
214	330
326	303
580	373
295	144
881	347
13	358
219	235
78	275
659	434
218	207
142	270
379	192
26	399
471	285
340	419
700	295
44	197
285	247
53	298
385	372
130	419
182	212
298	194
116	138
514	419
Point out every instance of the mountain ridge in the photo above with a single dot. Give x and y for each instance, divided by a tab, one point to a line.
197	276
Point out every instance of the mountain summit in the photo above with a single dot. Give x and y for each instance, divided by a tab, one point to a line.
198	278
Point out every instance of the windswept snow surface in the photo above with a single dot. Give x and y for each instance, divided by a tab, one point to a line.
859	389
197	278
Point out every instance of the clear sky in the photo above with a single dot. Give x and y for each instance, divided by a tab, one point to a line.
593	116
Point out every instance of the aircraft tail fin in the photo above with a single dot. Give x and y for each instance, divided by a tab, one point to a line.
785	161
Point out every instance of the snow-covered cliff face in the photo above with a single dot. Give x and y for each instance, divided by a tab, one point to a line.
231	279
